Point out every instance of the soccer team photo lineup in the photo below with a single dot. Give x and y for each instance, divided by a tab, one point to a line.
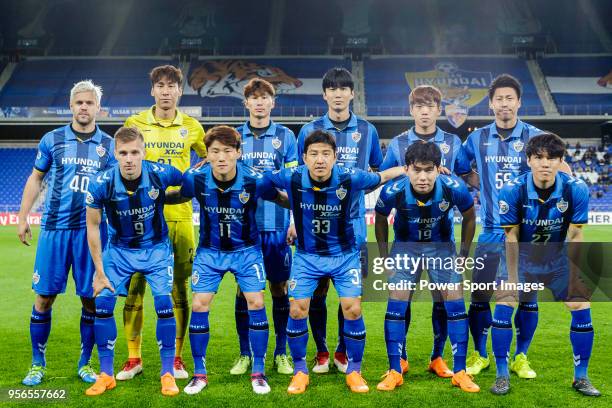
395	224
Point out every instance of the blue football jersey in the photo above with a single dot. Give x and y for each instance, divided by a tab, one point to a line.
135	220
71	165
497	161
227	218
274	150
449	144
544	221
357	146
431	221
321	215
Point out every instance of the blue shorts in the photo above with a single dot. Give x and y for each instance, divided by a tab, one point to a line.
155	263
210	265
361	239
308	269
276	254
491	248
57	252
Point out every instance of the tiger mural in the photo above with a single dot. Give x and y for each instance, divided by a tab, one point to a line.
228	77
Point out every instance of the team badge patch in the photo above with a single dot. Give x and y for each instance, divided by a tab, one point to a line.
244	197
443	205
183	132
89	198
341	193
445	148
195	278
292	284
518	146
154	193
562	205
35	277
39	155
276	143
380	203
100	150
356	136
503	207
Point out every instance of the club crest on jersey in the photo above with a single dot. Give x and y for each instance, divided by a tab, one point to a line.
445	148
276	143
356	136
503	207
183	132
100	150
154	193
195	278
443	205
244	197
380	203
562	205
35	277
518	146
292	284
89	198
341	193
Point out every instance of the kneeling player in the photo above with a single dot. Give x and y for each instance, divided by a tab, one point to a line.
132	194
321	195
229	241
546	207
424	203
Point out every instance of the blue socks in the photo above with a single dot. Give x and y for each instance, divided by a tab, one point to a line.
407	318
501	337
525	321
297	337
581	337
440	329
106	332
40	327
258	337
242	325
318	322
199	334
480	319
88	337
395	333
354	337
458	332
280	315
341	347
166	332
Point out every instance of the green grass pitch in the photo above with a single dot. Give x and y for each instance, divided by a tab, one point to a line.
550	354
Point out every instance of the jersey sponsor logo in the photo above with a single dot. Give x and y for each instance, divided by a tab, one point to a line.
165	145
445	147
259	155
89	198
503	159
320	207
244	197
562	205
341	193
142	212
356	136
276	143
503	207
101	150
183	132
35	277
81	161
153	193
518	146
543	223
443	205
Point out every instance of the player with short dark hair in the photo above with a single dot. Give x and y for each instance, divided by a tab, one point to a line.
357	147
322	195
423	225
69	156
267	146
426	107
133	195
545	208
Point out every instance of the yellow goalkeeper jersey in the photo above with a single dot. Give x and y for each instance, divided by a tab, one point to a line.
171	142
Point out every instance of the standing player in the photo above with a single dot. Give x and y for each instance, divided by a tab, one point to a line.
498	150
133	194
425	107
424	203
169	135
545	208
71	155
229	194
267	146
322	196
358	147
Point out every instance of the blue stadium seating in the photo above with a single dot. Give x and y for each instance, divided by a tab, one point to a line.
17	164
